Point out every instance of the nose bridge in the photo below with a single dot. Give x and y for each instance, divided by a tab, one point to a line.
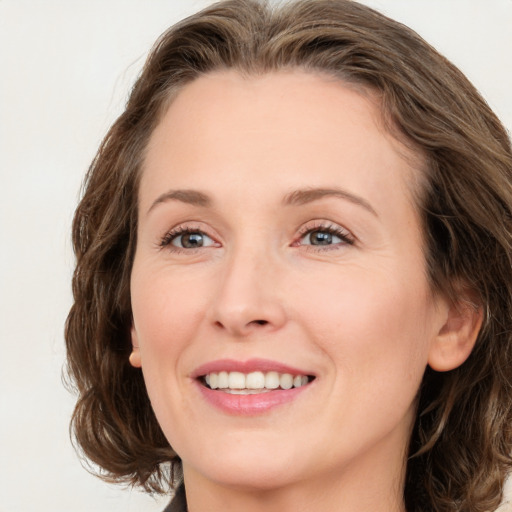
247	298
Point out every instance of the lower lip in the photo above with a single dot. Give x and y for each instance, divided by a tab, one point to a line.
250	405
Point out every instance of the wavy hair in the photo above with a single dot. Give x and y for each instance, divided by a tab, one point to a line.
461	442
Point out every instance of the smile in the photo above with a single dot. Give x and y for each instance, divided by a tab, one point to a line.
253	382
252	387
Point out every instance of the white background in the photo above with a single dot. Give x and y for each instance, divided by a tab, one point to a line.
65	69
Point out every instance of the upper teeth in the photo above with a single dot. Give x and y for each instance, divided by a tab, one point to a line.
254	380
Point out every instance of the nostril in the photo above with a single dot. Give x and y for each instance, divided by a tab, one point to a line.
219	324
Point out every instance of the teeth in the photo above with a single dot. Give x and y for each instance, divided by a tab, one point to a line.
255	380
236	380
272	380
286	381
246	391
245	384
223	381
214	380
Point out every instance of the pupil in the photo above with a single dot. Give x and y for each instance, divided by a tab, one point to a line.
191	240
321	238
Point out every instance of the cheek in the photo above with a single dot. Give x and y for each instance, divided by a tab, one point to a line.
166	309
375	329
167	313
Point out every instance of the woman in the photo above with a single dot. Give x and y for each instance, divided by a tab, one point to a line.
294	271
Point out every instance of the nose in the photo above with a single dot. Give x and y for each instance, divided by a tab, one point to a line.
248	297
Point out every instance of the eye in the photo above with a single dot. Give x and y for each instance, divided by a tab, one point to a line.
322	236
192	240
187	239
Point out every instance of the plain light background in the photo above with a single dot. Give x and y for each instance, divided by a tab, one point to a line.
66	67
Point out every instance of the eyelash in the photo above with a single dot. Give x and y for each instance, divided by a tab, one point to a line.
167	239
332	229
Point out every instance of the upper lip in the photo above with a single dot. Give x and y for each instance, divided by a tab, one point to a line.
251	365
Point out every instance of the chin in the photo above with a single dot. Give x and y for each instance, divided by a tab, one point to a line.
245	477
257	468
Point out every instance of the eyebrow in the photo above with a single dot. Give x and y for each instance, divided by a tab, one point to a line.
193	197
295	198
300	197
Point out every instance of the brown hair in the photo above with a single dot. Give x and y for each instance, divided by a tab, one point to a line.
461	442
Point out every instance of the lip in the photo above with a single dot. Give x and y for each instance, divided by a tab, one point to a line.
248	405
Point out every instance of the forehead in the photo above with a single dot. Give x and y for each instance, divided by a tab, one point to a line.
227	126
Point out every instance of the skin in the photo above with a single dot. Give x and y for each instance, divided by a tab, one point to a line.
358	314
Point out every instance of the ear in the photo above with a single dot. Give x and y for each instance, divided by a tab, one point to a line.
135	359
457	336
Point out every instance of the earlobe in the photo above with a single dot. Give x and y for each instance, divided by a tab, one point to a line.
456	337
135	359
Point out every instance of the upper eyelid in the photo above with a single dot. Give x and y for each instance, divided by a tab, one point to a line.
325	225
321	224
188	227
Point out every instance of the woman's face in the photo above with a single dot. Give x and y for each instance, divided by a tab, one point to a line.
278	245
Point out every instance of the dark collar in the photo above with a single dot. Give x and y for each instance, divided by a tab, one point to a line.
179	502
